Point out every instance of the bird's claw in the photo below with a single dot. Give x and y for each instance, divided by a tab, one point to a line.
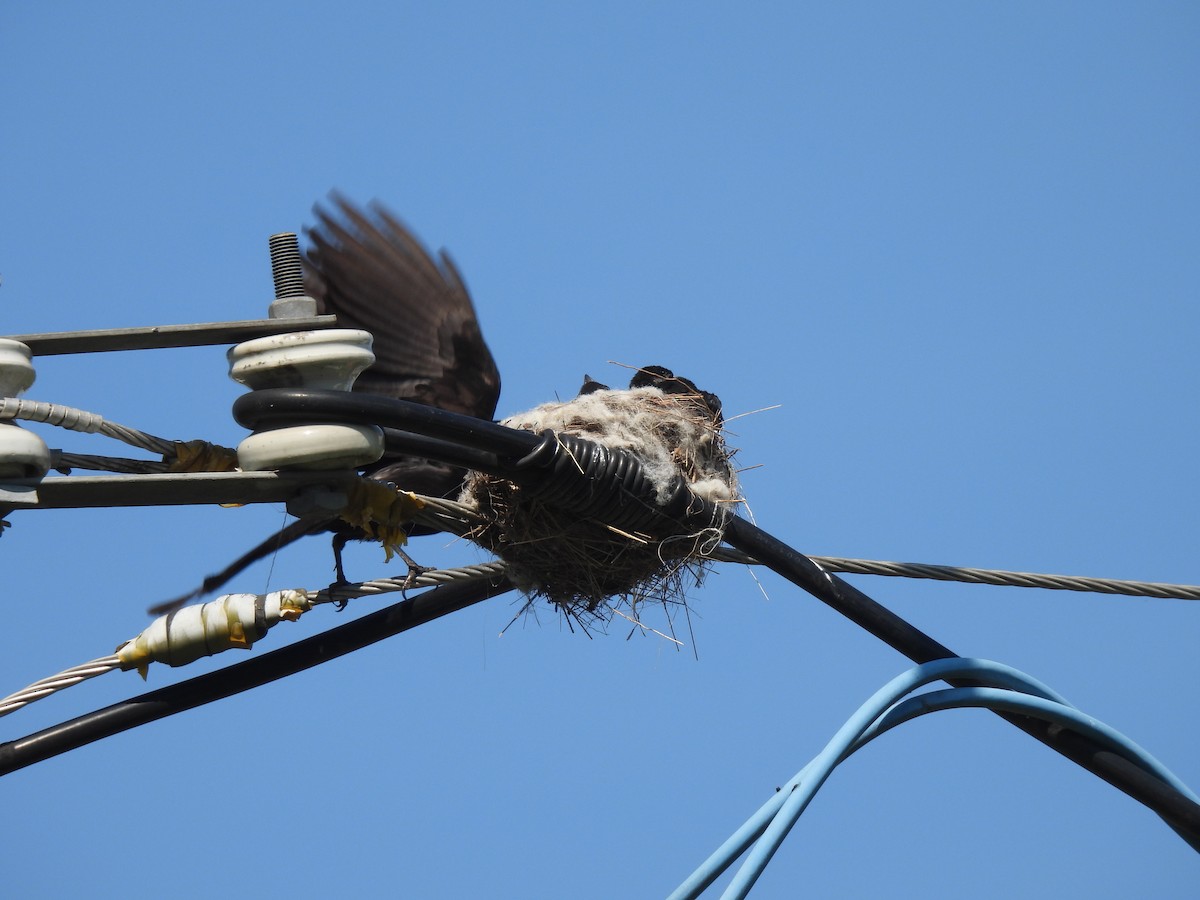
341	582
415	571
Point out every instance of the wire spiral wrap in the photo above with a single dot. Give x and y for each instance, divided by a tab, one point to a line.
605	483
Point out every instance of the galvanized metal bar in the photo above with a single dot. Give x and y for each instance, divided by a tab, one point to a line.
156	337
174	489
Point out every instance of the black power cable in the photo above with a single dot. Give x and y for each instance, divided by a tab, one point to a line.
280	407
1177	810
562	470
277	407
527	458
253	673
408	443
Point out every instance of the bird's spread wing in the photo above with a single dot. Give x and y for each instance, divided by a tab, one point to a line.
372	273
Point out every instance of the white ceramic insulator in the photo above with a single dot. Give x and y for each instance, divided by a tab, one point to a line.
16	368
22	453
324	360
311	447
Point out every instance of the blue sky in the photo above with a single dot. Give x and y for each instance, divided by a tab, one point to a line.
955	243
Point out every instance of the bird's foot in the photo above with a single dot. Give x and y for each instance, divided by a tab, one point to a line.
341	582
415	571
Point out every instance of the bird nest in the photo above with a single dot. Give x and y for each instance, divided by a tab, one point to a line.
586	567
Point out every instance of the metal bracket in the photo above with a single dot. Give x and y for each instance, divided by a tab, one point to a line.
157	337
175	489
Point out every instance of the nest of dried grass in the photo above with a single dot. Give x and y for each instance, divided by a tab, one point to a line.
587	568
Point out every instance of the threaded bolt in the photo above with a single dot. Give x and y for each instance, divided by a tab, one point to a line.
285	265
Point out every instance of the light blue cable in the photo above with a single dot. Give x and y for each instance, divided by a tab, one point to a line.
1024	704
981	670
884	710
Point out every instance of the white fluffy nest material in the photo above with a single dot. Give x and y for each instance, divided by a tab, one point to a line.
581	565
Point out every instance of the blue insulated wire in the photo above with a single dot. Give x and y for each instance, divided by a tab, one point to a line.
1005	689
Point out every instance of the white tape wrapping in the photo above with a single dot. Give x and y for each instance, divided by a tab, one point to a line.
234	620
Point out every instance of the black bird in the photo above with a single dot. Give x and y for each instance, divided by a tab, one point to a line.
666	381
670	383
591	385
372	273
367	268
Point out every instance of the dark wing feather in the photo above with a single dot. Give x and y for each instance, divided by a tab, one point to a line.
372	273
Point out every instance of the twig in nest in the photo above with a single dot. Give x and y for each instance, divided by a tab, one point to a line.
589	569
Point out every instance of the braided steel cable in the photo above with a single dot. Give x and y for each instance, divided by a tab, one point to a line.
60	682
61	461
1009	579
176	456
432	578
998	577
252	673
80	420
45	687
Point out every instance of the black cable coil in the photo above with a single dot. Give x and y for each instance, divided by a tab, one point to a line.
608	484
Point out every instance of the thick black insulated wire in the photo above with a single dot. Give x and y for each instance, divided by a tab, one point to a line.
185	695
607	484
1177	810
409	443
584	477
279	407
